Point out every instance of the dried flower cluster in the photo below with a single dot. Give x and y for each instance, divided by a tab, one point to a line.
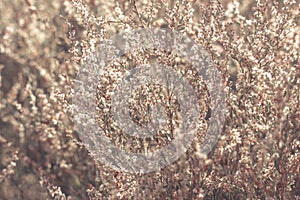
255	44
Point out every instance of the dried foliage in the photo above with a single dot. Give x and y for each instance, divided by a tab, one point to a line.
255	44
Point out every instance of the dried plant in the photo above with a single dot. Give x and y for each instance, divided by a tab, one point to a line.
253	43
